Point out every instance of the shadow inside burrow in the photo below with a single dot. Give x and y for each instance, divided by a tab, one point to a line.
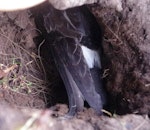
59	94
57	89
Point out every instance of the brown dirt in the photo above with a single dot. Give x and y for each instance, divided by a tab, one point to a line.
20	100
126	73
126	48
28	119
21	76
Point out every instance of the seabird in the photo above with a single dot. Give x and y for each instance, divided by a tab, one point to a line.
75	39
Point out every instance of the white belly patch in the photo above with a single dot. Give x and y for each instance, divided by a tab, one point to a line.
92	57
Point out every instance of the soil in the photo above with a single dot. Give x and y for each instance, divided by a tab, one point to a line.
30	81
126	49
31	119
22	82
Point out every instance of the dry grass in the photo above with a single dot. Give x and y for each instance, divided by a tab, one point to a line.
21	68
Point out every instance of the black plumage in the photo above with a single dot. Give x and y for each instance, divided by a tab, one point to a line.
74	37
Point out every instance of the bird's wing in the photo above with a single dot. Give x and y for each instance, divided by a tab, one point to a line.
74	70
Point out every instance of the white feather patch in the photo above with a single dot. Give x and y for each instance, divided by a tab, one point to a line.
91	56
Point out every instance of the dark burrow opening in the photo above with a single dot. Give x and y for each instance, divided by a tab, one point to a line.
58	93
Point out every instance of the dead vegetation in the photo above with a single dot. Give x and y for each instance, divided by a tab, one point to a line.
21	69
126	72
